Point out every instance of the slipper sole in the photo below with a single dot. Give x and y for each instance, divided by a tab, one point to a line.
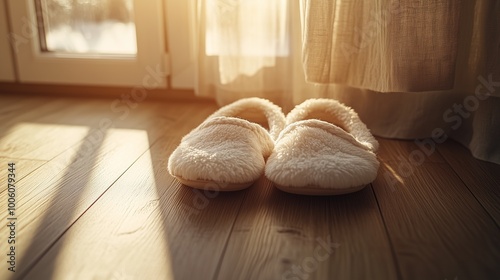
317	191
214	186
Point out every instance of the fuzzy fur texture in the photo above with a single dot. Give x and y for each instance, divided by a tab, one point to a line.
226	148
255	109
324	146
336	113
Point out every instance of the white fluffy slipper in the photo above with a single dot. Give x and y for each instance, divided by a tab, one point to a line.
228	150
325	149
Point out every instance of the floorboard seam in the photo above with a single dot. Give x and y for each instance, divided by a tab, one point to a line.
468	188
393	250
44	252
219	264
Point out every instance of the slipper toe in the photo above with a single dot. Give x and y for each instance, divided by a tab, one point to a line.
317	158
228	150
222	151
325	149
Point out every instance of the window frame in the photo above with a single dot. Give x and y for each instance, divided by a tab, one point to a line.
148	68
7	71
181	20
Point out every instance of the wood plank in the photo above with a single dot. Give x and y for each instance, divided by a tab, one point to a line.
283	236
438	229
16	109
13	105
34	131
482	178
54	196
398	150
37	133
23	168
155	228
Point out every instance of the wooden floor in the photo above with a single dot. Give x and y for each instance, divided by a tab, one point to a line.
94	200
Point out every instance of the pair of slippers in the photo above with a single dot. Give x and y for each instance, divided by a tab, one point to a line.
320	148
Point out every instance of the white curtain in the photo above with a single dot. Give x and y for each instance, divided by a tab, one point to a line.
243	49
410	69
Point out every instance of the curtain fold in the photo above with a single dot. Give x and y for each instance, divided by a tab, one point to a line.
384	45
411	69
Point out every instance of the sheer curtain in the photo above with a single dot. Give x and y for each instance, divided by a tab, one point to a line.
411	69
243	49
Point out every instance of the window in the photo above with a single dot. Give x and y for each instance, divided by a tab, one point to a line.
86	26
97	42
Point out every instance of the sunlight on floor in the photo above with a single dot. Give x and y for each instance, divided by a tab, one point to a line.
83	162
42	141
391	175
120	220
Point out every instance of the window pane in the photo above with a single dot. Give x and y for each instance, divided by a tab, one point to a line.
87	26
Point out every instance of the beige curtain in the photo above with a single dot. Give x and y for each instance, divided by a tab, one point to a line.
411	69
381	45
